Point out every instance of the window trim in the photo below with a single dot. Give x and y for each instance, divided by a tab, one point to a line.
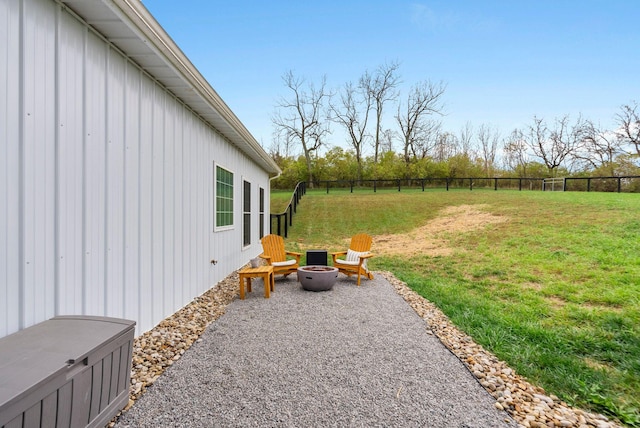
261	214
246	222
217	228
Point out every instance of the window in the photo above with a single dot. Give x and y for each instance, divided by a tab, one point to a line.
246	214
224	197
261	212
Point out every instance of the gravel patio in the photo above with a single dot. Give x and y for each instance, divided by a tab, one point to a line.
352	356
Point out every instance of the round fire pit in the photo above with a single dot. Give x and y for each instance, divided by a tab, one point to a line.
317	278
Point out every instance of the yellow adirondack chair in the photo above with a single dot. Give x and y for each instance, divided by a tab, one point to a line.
355	262
274	253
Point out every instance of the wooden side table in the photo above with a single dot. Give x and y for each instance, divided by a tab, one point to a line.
264	272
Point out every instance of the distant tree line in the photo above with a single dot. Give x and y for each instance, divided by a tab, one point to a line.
418	147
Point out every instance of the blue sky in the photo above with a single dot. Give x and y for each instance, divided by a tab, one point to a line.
502	61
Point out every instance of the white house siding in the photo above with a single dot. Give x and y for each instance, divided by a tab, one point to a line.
106	180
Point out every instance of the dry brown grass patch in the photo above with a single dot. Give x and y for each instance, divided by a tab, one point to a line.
432	238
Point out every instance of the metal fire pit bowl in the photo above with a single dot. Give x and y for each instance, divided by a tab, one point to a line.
317	278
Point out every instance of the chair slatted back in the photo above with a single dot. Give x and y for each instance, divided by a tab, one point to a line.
273	246
361	242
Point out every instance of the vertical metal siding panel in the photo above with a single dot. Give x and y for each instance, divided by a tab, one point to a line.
198	233
216	239
168	228
9	170
206	217
194	154
233	238
239	257
190	198
179	284
95	173
115	185
146	187
184	212
132	224
70	165
39	162
157	196
203	168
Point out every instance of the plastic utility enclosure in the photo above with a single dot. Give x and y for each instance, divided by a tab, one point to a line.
317	258
69	371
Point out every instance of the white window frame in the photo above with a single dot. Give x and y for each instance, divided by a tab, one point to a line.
246	223
217	228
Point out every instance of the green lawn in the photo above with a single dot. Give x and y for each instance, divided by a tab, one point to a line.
554	291
279	201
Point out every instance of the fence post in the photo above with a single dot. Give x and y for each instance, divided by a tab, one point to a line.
351	186
520	184
422	182
327	187
286	227
447	180
398	183
374	186
619	184
495	185
471	184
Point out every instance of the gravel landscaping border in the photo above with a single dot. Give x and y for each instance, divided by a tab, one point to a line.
161	347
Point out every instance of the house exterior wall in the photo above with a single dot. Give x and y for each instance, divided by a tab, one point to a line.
106	181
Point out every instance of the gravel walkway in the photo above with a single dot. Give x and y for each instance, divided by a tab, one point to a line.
352	356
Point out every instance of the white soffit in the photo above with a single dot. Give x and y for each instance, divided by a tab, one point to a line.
129	26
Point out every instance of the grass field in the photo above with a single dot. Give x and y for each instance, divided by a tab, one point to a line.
554	290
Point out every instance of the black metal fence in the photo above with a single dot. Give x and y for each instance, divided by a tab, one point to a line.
622	184
285	219
630	184
434	183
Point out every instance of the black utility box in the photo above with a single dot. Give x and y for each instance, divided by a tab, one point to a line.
317	258
69	371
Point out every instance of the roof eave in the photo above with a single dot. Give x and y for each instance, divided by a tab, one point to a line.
144	41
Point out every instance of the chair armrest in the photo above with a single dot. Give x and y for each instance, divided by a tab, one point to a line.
335	255
296	255
364	258
267	258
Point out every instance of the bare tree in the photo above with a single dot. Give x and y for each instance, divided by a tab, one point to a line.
281	145
600	148
303	117
353	114
417	130
629	126
446	147
515	153
382	88
386	142
555	145
488	139
465	140
425	146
